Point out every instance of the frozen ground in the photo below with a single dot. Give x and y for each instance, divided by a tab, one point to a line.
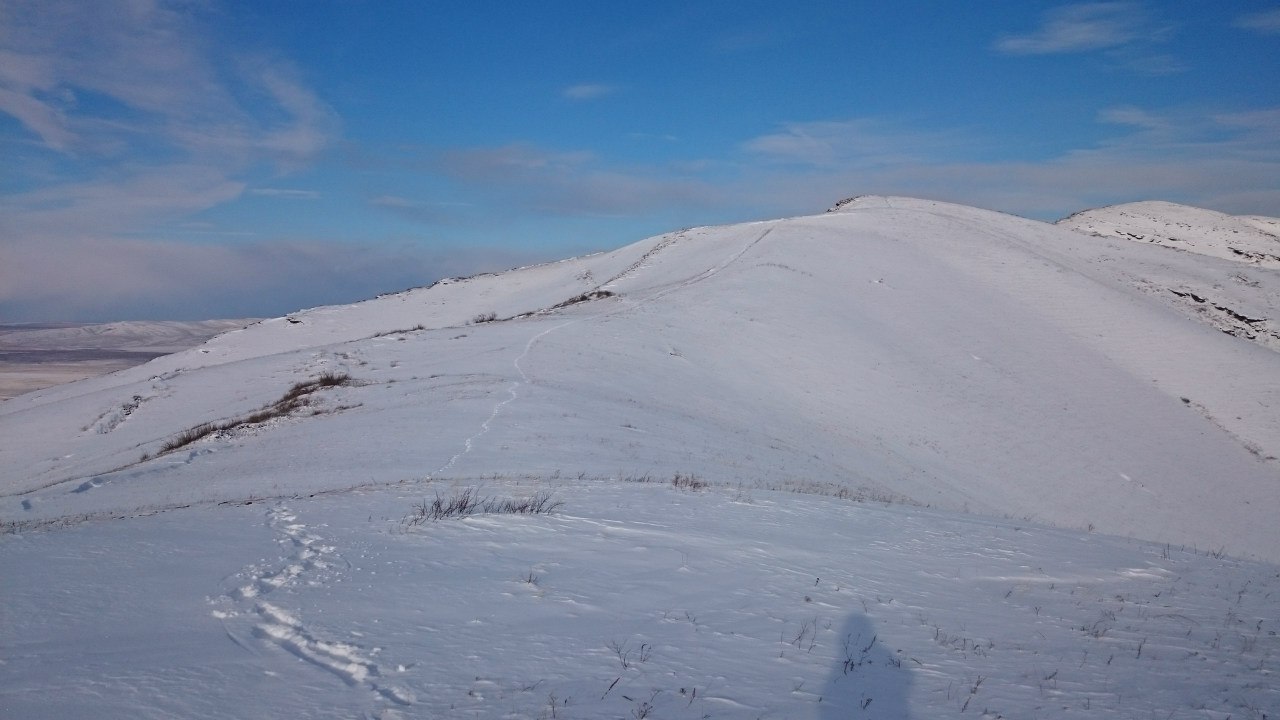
958	463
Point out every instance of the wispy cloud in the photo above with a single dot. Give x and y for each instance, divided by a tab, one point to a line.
126	204
109	278
286	193
865	142
1133	116
1229	162
420	211
1077	28
160	125
1266	22
574	183
588	91
747	39
101	82
1124	32
1225	161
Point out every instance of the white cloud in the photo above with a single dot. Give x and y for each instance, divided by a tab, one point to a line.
1124	33
1154	64
1266	22
1136	117
393	201
286	193
101	278
1225	161
587	91
1078	28
572	183
159	124
190	128
1229	162
865	142
124	205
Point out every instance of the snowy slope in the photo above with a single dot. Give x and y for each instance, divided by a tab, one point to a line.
1229	297
632	600
980	377
1249	239
954	357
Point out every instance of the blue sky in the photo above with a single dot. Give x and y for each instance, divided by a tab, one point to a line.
194	159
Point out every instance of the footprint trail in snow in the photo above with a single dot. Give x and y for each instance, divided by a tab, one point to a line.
310	562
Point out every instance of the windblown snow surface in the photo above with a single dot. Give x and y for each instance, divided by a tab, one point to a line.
931	461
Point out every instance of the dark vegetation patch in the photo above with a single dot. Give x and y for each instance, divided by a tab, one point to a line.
584	297
469	501
296	397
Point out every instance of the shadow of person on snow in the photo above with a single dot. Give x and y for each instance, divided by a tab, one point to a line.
869	680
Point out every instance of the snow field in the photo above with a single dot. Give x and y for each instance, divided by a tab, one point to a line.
635	599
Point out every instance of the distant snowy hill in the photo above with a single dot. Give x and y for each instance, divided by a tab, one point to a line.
1250	239
34	356
1237	303
131	336
1027	401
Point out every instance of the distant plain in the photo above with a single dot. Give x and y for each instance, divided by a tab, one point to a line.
40	355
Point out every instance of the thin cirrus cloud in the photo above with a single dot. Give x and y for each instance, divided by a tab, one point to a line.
1134	117
1266	22
420	211
286	193
99	279
575	183
1077	28
1227	161
1123	32
865	142
1220	160
106	80
98	83
588	91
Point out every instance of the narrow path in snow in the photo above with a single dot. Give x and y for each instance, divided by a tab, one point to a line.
309	558
513	390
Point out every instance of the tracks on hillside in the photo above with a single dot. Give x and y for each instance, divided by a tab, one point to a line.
309	561
513	389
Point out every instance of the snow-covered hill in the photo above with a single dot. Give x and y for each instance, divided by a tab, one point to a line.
163	336
1238	303
1015	398
1250	239
949	356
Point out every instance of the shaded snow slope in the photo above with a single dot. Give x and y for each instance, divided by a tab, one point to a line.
1234	298
902	349
1254	240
